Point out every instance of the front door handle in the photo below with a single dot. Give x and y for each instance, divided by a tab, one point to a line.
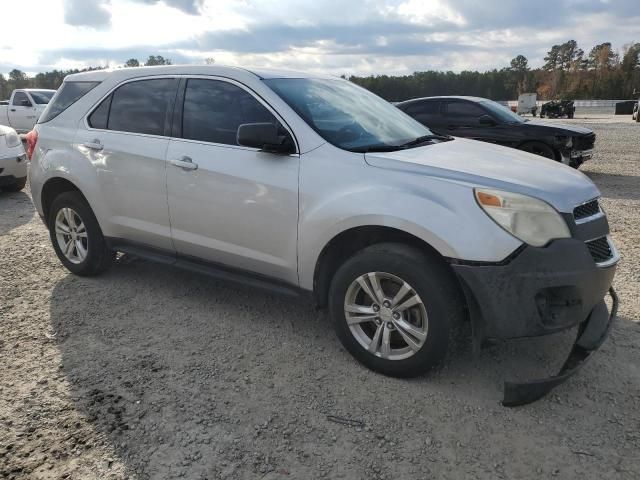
186	163
95	145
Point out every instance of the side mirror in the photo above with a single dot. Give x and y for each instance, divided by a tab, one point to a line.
486	121
264	136
26	103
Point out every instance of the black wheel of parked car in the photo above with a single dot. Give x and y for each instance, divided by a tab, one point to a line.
76	235
16	186
539	148
395	309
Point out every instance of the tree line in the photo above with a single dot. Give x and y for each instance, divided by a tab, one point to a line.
54	78
568	73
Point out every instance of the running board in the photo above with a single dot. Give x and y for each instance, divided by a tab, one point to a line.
220	272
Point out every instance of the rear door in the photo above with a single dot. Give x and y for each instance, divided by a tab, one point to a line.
126	139
22	113
231	204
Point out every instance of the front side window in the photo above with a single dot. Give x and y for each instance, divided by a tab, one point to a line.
141	106
346	115
68	94
213	110
19	98
502	113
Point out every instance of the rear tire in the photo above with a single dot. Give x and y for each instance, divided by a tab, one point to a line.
434	312
74	228
17	186
539	148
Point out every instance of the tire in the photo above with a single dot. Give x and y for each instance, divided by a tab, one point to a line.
436	288
16	186
539	148
72	208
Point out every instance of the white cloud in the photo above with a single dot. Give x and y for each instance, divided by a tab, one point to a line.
336	36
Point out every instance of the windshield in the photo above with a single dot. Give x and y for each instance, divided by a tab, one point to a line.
41	97
348	116
500	112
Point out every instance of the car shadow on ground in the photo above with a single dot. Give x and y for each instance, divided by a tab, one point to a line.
624	187
22	207
178	370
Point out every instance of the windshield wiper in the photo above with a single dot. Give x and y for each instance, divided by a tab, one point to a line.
425	138
377	148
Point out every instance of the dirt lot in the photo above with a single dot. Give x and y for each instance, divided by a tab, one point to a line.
151	372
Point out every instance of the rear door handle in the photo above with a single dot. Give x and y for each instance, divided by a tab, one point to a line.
186	163
95	145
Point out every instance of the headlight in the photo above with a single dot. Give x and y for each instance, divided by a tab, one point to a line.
529	219
12	139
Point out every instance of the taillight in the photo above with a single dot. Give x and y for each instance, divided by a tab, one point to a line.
32	139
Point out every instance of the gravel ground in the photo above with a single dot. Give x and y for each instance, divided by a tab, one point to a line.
150	372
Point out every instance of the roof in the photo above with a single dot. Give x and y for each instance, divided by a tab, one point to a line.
218	70
35	89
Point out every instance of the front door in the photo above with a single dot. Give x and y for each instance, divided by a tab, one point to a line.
22	112
230	204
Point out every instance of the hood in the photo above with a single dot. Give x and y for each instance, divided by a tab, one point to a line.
572	129
480	164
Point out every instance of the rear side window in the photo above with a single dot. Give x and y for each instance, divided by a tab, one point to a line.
142	106
423	108
20	97
68	94
213	111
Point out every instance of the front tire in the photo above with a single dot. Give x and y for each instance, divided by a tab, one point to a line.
17	186
395	309
76	236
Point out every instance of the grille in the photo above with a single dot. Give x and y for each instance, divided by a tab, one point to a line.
586	209
600	249
584	142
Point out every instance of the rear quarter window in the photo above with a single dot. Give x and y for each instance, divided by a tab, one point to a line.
68	94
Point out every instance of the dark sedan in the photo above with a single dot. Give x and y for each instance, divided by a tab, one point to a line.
488	121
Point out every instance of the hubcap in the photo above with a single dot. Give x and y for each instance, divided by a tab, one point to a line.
71	235
386	315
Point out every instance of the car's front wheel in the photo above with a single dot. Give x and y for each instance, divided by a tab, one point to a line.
539	148
76	235
394	309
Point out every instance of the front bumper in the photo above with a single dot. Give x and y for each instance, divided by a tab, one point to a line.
540	291
592	335
13	166
575	158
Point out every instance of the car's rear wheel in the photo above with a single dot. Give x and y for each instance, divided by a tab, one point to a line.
538	148
76	235
394	309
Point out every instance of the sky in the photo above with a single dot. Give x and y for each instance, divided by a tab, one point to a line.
341	37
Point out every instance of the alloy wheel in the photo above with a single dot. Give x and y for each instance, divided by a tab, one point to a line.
71	235
386	315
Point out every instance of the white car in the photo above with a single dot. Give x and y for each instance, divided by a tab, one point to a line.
13	161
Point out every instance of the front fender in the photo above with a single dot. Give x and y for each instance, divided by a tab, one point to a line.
442	214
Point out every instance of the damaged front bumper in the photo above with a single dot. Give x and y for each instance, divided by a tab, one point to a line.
591	335
541	291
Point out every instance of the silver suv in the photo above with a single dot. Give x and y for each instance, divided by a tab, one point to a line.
309	183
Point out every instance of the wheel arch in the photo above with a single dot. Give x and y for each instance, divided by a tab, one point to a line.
556	153
349	241
52	188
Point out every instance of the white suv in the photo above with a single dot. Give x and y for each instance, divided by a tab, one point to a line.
305	182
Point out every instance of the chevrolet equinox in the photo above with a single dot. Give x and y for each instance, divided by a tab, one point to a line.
310	183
